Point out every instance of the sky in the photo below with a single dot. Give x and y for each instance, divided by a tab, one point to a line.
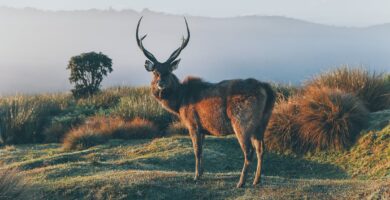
357	13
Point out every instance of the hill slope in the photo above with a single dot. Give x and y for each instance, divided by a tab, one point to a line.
163	169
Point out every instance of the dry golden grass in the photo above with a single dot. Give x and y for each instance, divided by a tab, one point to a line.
319	118
330	118
99	129
137	129
12	186
176	128
283	128
372	88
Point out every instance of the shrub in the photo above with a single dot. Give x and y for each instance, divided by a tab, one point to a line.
83	138
99	129
176	128
22	118
12	186
140	104
372	88
329	118
96	130
284	91
283	128
137	129
103	100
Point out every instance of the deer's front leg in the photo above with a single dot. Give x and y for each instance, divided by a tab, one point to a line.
197	142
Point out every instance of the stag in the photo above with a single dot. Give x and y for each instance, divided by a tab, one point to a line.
240	107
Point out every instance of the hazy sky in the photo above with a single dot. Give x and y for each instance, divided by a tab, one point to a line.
333	12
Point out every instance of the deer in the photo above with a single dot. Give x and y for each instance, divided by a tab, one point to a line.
240	107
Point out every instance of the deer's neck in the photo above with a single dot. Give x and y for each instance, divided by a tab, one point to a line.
170	98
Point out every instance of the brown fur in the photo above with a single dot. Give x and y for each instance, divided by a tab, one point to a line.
241	107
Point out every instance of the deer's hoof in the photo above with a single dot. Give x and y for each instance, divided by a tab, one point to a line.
256	182
196	178
239	184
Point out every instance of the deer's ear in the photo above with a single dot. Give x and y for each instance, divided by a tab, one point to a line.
149	66
174	65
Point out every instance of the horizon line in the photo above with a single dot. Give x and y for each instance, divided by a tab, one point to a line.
111	9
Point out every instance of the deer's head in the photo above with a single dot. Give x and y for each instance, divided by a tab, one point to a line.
163	78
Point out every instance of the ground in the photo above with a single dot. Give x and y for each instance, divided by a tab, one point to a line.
163	169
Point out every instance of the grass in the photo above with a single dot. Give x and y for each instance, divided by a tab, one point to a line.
372	88
162	168
116	155
99	129
13	186
47	117
329	119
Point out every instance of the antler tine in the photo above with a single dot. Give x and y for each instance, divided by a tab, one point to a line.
141	46
177	52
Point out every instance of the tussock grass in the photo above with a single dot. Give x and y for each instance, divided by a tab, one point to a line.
176	128
316	119
372	88
141	104
330	119
47	118
13	187
23	118
283	127
99	129
284	91
137	129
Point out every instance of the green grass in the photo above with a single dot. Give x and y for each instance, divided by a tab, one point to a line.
163	169
47	117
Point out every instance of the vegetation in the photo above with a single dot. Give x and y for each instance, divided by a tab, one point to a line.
329	119
163	169
47	118
87	71
372	88
99	129
13	187
176	128
121	144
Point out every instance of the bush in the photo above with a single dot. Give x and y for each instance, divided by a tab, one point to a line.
283	128
372	88
329	118
82	138
102	100
99	129
96	130
140	104
137	129
177	128
22	118
12	186
284	91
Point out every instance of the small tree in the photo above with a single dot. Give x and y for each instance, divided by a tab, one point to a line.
87	71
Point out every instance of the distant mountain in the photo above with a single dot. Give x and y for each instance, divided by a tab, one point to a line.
36	45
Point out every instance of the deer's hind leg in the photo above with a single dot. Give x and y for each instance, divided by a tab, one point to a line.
247	149
259	148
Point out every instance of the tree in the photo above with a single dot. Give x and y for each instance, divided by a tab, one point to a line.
87	71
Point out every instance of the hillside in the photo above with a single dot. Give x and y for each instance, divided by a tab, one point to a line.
163	168
37	45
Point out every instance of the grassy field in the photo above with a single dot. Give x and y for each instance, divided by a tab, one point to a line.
329	139
163	169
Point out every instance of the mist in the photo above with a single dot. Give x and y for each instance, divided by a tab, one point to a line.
35	47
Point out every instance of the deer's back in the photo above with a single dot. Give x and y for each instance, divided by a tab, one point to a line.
217	106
